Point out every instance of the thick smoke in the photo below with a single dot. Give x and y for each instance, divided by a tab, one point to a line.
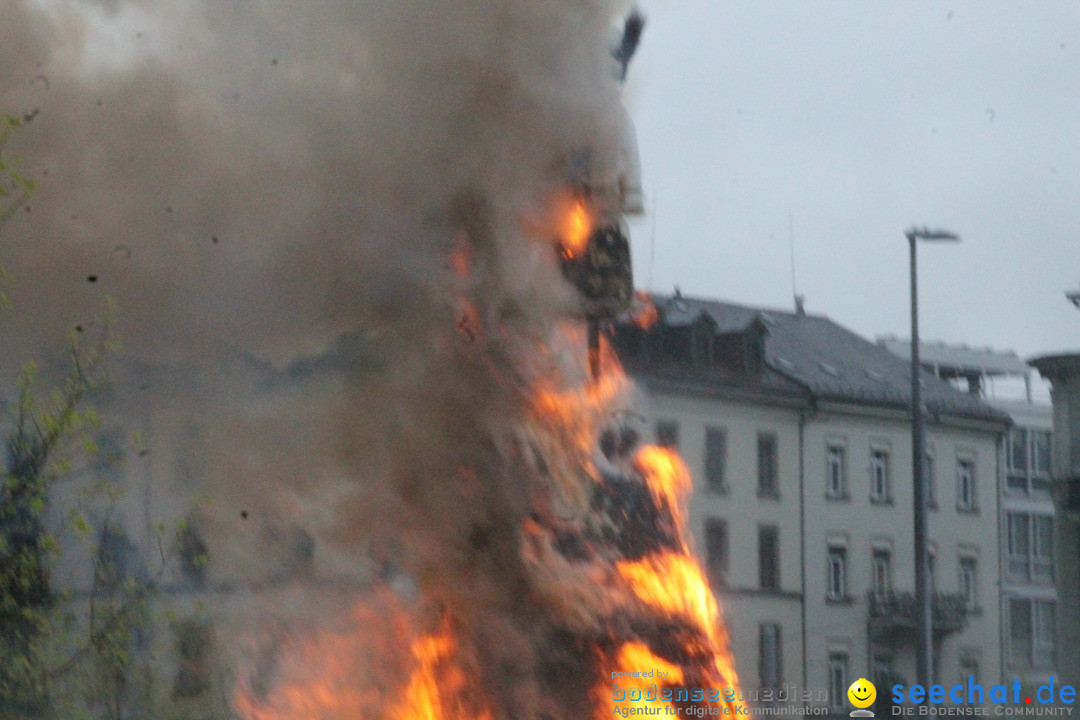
323	224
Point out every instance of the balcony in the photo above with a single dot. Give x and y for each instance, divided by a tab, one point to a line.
894	615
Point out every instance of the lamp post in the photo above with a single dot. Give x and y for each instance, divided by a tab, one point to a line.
924	653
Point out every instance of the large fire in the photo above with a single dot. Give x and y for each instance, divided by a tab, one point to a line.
661	643
568	589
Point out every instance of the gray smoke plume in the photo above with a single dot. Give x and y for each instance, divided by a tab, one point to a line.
323	227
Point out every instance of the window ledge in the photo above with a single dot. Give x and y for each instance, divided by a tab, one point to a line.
768	494
881	501
779	594
967	509
846	600
838	498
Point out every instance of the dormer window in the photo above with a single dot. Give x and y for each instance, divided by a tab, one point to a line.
702	342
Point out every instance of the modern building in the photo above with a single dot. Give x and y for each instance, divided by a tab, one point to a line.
1063	371
1029	598
798	433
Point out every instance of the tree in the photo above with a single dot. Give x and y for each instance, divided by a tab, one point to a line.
72	653
47	427
34	458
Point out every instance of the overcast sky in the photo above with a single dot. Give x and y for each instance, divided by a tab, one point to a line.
861	119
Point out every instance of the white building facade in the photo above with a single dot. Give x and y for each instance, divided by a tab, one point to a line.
799	438
1063	371
1030	605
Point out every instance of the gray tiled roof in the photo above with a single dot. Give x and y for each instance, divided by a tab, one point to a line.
832	362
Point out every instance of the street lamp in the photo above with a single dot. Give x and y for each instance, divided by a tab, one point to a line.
924	654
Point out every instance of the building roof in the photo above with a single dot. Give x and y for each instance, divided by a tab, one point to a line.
829	360
960	358
1057	367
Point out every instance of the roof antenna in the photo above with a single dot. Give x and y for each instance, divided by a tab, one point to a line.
800	300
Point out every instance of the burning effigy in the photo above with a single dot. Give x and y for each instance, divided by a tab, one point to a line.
363	256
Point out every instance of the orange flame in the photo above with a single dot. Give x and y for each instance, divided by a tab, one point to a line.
668	584
645	313
575	226
319	679
672	581
437	686
639	693
326	681
667	478
674	584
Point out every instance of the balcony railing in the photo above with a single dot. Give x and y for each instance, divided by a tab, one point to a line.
897	613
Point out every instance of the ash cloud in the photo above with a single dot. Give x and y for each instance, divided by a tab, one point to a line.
322	145
278	196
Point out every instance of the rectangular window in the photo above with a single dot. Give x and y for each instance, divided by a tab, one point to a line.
715	459
767	462
836	581
769	557
965	485
770	668
835	472
193	555
1019	545
716	550
883	670
1043	631
882	573
1040	466
1031	633
838	681
879	475
667	434
969	584
1042	556
1040	451
115	558
1020	632
969	666
1027	461
193	641
1031	547
1016	455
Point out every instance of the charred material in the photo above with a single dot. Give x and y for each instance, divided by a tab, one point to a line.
602	272
608	182
633	524
627	523
628	43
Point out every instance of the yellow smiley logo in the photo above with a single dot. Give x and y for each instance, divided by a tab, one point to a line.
862	693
